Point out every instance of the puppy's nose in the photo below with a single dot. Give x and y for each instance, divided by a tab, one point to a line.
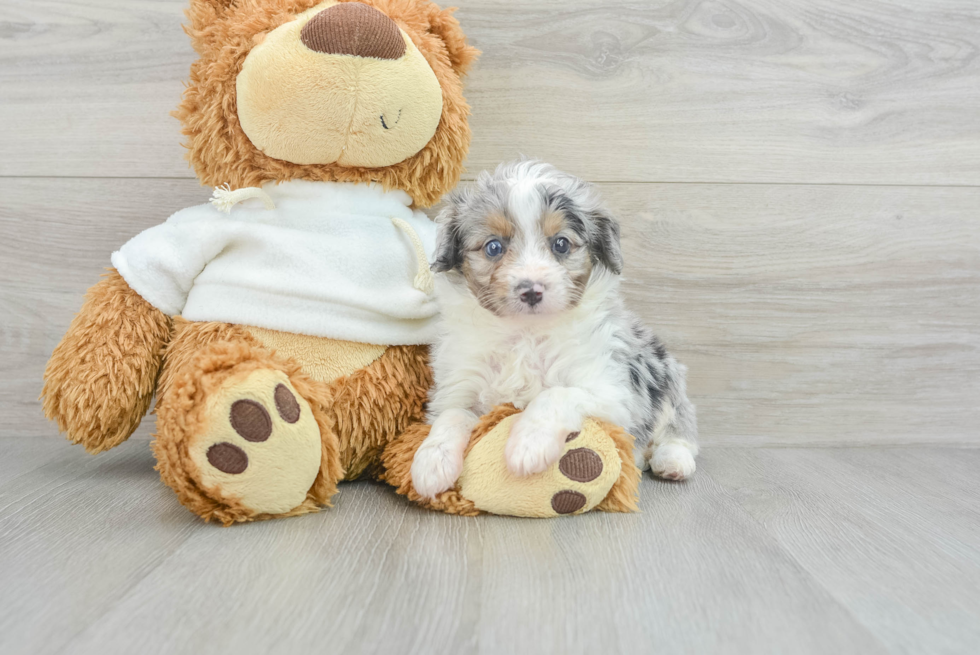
531	297
531	293
352	28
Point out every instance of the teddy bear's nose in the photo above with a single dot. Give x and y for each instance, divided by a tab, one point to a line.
352	28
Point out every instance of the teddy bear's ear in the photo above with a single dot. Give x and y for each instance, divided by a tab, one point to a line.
203	13
443	24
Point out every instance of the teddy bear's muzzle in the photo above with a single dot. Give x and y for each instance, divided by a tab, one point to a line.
352	28
340	84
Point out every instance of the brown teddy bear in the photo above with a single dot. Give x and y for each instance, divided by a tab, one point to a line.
283	326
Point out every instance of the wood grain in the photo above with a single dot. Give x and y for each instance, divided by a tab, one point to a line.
844	550
894	535
690	574
813	314
75	534
799	185
806	314
731	91
90	86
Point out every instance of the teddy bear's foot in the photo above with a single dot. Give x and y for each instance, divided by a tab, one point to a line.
261	445
589	466
238	441
596	471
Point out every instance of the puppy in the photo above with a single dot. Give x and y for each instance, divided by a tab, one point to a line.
532	315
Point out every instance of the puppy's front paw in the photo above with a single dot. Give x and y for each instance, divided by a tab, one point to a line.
435	469
672	461
534	445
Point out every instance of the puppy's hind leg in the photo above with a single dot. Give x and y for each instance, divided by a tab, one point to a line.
673	444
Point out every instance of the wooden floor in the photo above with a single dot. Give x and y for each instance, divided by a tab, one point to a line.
799	187
765	550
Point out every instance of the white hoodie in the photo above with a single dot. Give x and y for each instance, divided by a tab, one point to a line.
328	261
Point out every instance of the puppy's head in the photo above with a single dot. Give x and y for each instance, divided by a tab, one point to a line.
527	239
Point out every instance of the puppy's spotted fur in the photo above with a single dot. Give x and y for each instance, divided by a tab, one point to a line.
531	315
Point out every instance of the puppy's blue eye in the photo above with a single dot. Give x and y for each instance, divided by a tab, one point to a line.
493	248
561	246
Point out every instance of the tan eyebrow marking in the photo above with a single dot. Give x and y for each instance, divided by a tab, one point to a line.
499	225
552	223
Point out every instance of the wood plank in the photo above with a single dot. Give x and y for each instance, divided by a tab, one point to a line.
376	575
689	575
90	87
799	91
854	550
373	574
75	535
872	528
21	455
806	314
813	314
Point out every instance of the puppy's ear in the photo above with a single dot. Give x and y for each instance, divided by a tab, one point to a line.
604	241
449	243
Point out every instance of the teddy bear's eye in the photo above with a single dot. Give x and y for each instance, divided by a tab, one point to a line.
385	123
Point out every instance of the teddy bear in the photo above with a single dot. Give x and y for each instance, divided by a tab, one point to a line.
283	327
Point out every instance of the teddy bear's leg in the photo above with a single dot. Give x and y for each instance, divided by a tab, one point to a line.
371	406
596	471
241	433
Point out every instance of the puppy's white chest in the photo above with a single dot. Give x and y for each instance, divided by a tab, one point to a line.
517	371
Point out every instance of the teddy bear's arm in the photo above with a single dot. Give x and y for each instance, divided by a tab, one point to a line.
100	379
161	263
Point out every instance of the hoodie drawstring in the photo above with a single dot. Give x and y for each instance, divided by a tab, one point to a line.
424	281
224	198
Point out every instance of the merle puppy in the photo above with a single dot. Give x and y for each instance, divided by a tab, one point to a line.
532	315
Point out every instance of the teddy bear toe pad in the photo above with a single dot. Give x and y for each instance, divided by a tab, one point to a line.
261	444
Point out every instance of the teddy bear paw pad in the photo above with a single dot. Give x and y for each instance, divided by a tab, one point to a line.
588	468
260	444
